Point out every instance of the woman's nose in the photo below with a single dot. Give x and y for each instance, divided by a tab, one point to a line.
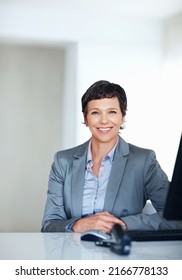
103	118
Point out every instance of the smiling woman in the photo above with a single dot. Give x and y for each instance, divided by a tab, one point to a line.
105	181
104	119
104	110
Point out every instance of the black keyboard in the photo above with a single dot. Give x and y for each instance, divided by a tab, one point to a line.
155	235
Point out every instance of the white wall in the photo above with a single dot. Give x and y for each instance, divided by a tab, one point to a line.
138	53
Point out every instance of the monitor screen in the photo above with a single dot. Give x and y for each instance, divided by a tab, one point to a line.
173	207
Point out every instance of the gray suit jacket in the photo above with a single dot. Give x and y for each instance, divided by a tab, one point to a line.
135	177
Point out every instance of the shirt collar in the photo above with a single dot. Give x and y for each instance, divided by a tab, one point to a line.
110	155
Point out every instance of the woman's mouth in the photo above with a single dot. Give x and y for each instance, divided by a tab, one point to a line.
104	129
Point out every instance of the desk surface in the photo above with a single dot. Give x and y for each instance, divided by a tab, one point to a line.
68	246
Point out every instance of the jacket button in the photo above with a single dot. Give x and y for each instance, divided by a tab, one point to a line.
124	212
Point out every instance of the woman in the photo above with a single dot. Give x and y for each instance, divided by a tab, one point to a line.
105	180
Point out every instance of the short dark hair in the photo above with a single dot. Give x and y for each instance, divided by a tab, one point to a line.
104	89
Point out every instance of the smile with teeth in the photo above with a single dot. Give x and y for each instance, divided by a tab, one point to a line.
104	129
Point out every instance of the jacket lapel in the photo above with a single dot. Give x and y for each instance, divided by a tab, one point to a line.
117	171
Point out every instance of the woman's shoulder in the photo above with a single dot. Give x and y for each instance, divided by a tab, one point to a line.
141	154
139	149
76	151
136	149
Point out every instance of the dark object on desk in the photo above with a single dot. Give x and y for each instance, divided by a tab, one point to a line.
119	243
122	241
95	235
173	206
155	235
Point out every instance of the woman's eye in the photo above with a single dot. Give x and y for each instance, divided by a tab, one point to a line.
112	112
94	113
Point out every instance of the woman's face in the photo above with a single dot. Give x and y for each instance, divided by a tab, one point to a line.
104	118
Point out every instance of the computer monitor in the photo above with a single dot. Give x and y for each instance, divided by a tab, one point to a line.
173	206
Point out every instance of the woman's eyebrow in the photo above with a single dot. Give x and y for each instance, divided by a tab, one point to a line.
106	108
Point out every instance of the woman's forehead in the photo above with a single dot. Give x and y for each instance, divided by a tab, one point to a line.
104	103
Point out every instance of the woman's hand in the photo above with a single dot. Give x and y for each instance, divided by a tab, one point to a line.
101	221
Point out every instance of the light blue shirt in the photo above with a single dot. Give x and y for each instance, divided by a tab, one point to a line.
95	187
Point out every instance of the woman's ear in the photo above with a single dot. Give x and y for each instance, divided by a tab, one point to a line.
122	124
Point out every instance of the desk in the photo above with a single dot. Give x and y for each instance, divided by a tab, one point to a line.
68	246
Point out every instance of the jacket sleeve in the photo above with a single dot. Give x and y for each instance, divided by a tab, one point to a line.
153	221
55	218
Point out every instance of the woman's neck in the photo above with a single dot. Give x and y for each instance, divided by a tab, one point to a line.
100	150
